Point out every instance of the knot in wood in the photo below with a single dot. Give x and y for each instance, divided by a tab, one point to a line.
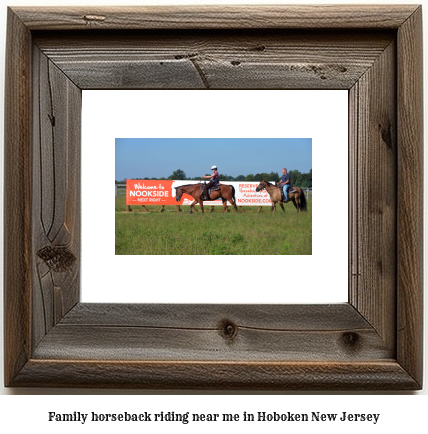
386	134
258	48
51	119
351	340
58	259
228	330
94	18
185	56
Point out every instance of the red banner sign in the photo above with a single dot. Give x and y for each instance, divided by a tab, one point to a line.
150	192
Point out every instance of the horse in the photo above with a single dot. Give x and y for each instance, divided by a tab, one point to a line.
276	196
195	202
226	193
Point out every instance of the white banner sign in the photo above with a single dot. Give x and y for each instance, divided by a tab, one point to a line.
245	194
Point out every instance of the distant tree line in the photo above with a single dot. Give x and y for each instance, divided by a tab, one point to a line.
297	178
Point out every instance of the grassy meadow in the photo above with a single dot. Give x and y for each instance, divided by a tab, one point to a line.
212	233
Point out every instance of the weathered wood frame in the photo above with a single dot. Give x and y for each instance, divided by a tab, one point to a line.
372	342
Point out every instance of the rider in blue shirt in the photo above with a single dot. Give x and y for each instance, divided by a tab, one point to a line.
285	183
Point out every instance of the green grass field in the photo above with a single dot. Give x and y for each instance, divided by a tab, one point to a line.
181	233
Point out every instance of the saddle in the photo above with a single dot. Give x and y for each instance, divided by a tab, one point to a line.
291	190
213	188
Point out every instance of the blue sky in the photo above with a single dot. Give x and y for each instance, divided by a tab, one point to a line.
156	158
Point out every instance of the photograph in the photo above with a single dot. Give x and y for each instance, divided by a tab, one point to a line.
153	201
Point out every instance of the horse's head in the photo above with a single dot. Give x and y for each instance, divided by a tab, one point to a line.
261	186
178	194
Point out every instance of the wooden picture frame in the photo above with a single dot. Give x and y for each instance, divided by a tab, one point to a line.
372	342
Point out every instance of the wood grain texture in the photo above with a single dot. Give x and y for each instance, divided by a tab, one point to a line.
410	207
56	194
372	342
216	59
223	17
17	199
341	317
385	375
199	332
373	178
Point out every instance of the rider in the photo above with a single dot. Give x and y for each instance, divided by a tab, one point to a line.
285	182
213	181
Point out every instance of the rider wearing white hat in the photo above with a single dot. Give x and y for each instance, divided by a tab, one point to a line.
213	181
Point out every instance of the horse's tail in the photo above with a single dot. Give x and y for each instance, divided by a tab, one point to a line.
303	205
233	193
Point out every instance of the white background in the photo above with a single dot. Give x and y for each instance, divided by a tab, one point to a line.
400	413
318	278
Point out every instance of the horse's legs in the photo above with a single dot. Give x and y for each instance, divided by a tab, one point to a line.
233	204
282	206
296	203
193	206
230	199
224	204
273	206
201	203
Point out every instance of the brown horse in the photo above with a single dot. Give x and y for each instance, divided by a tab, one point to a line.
276	196
226	193
195	202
